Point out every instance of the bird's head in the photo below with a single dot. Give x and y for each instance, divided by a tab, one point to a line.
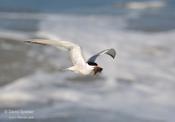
96	68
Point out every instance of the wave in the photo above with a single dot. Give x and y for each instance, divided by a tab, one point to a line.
143	5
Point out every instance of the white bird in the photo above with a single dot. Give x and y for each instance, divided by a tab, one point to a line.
80	66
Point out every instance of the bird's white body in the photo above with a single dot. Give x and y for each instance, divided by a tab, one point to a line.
80	66
84	70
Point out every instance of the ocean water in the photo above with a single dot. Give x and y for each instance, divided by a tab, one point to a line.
138	86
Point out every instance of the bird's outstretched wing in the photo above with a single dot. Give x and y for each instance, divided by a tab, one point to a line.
111	52
74	49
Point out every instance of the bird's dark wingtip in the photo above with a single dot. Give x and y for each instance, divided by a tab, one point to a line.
34	42
112	53
28	41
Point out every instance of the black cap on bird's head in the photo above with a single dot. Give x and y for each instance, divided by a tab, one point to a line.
96	69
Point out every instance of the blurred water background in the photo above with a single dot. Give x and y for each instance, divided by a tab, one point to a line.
138	86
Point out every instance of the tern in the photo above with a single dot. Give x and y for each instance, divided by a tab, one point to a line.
80	66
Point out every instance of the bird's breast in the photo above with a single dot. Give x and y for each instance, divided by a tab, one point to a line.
85	70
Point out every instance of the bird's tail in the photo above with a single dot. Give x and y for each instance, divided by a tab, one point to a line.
72	68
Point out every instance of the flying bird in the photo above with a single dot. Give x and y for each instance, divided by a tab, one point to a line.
80	66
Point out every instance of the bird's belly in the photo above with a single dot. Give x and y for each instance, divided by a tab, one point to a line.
85	71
